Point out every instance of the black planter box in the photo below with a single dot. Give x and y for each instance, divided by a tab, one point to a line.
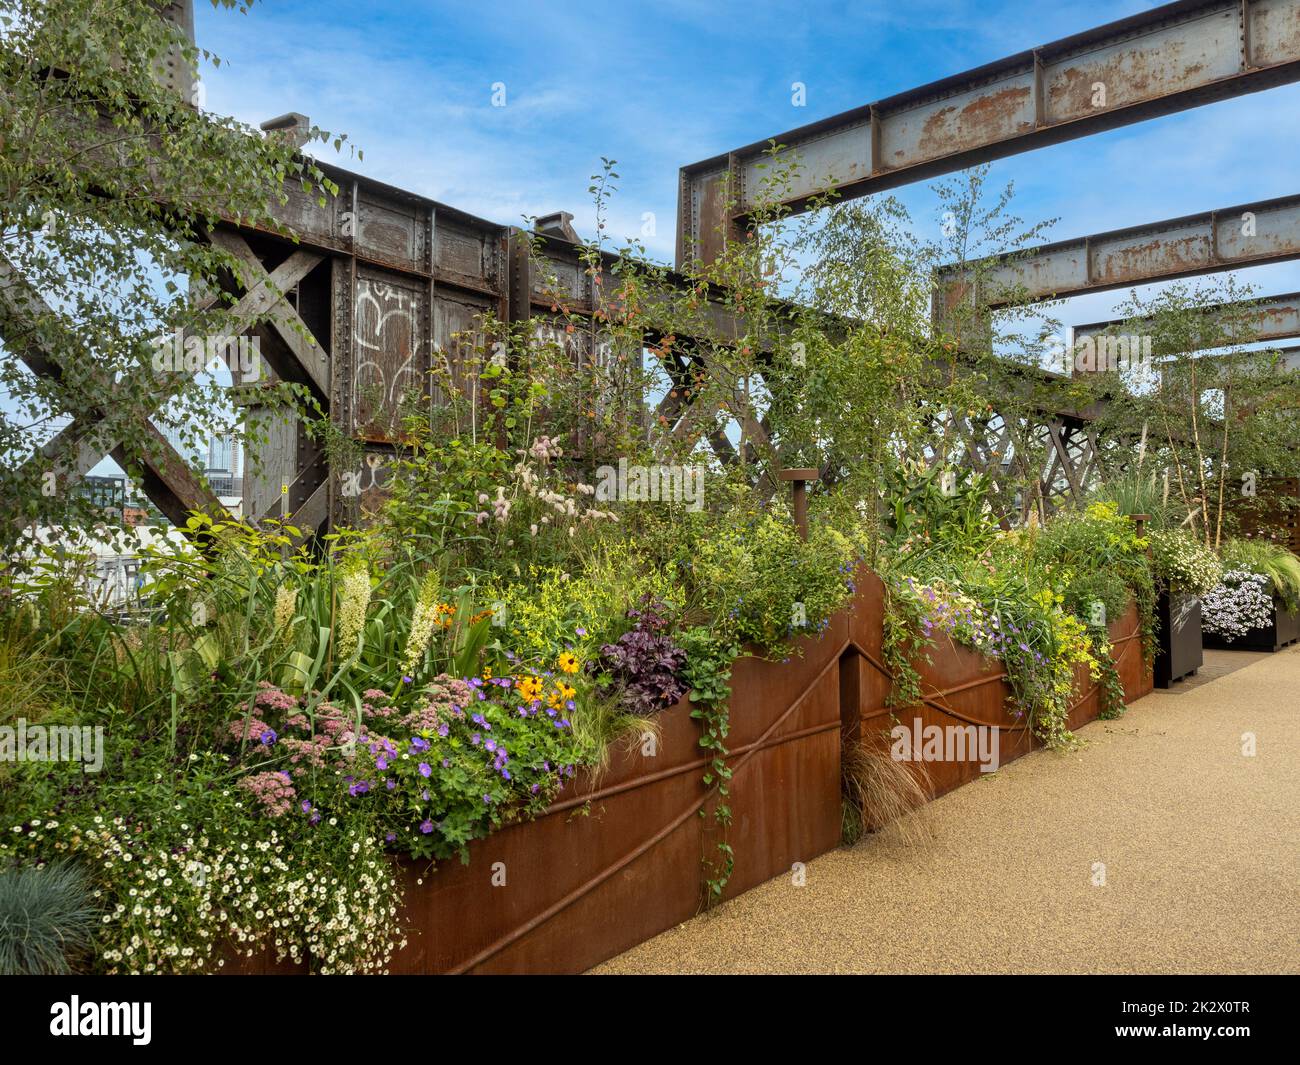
1179	652
1284	629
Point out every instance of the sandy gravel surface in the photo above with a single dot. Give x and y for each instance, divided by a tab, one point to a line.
1201	848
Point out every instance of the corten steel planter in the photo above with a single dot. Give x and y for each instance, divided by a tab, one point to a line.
618	858
962	688
1134	667
1179	652
1284	629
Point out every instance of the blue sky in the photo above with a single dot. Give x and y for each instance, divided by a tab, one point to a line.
656	86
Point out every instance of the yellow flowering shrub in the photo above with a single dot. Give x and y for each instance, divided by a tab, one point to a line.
552	609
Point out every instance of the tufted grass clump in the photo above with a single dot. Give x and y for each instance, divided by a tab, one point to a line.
46	917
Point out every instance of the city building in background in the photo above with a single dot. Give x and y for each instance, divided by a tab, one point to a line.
222	461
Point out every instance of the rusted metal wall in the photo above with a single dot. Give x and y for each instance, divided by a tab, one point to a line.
961	687
618	858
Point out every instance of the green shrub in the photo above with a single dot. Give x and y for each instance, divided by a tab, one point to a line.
581	606
765	585
1096	556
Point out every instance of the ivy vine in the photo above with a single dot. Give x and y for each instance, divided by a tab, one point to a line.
708	672
901	644
1110	688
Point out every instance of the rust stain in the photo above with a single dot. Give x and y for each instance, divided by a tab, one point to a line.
1155	256
1275	38
934	130
996	108
1141	74
1069	84
987	117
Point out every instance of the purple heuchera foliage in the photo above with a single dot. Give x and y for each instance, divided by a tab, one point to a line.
645	664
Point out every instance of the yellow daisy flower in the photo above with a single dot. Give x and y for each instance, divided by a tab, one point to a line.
568	662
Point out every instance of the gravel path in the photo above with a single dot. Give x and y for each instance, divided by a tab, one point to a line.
1201	847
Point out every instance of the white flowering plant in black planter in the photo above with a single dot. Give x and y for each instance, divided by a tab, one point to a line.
1241	602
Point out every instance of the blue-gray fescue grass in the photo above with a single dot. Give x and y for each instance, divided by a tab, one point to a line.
46	918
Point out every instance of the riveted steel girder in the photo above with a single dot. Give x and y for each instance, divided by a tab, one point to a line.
1162	61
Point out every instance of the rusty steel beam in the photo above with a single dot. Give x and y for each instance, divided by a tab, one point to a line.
1250	234
1254	321
1162	61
